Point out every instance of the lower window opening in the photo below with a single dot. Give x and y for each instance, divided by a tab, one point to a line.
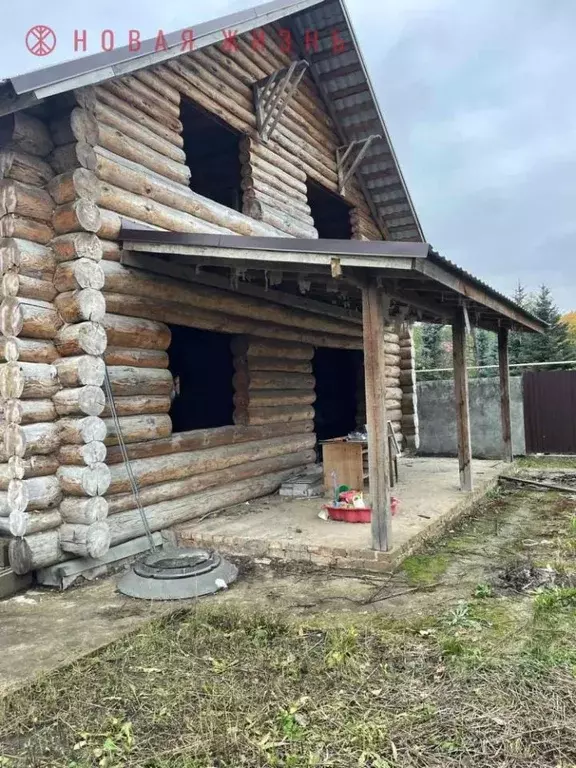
339	406
201	363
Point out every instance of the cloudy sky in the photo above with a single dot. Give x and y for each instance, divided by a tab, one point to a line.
478	98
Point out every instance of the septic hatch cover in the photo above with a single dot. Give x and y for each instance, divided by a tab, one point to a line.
176	574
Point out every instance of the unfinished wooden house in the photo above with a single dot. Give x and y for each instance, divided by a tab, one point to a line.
221	240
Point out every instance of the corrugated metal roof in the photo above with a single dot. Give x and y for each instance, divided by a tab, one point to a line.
341	77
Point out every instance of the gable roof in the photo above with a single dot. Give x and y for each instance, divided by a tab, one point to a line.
341	78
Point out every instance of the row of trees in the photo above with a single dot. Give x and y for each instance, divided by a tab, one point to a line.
434	342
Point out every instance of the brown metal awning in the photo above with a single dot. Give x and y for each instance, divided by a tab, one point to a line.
417	279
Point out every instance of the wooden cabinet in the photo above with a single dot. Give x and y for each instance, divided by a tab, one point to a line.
348	459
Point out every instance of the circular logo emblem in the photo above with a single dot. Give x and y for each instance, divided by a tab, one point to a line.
40	40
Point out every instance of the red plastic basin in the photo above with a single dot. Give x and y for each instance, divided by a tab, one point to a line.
352	515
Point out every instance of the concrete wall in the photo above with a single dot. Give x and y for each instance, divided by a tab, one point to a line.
437	417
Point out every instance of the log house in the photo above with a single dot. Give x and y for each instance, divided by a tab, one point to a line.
215	231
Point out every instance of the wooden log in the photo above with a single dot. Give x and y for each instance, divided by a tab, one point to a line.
154	81
28	380
159	469
84	304
270	415
261	398
29	317
165	105
66	157
80	338
25	200
24	524
28	258
135	429
120	98
141	358
31	439
77	245
276	218
181	314
81	371
34	493
139	333
126	380
273	380
87	454
150	212
138	131
79	273
127	525
123	280
198	439
85	540
24	167
79	216
178	488
84	511
279	202
89	400
140	404
29	411
35	551
76	183
83	430
257	347
134	177
20	469
25	229
15	284
87	129
85	481
251	148
111	251
271	364
25	133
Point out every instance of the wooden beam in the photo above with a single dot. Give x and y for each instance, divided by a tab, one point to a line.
463	286
374	324
462	404
504	371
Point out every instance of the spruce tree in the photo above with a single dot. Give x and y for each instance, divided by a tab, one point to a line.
554	343
518	342
431	352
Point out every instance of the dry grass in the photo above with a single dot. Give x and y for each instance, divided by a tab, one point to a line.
486	682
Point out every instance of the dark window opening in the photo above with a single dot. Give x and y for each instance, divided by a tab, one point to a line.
213	155
330	212
339	393
202	365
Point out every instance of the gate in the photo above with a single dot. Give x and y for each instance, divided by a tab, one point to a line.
550	411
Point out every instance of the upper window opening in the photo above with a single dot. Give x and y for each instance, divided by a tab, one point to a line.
213	155
330	212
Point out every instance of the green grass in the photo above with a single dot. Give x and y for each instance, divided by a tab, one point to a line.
426	569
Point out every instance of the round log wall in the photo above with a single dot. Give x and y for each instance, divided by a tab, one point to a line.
69	307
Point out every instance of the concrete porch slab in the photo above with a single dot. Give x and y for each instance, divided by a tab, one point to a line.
290	529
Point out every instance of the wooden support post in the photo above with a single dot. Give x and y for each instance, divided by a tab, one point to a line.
504	371
461	398
373	321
